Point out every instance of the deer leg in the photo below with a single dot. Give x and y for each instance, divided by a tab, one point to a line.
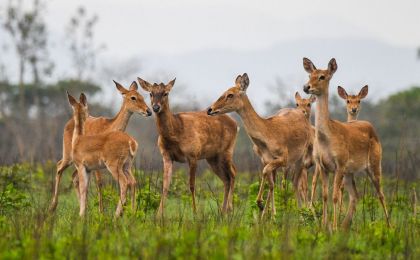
75	180
167	176
338	180
303	185
324	179
340	197
284	180
132	183
350	186
268	173
61	166
98	178
215	164
375	176
230	173
83	187
193	168
314	182
296	180
260	201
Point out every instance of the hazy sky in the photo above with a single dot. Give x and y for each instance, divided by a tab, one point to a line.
157	32
129	26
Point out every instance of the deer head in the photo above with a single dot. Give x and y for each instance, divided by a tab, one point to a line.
80	109
231	100
133	101
318	79
158	93
304	104
353	101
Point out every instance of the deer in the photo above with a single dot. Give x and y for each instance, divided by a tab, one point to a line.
353	107
114	150
280	140
344	148
133	102
304	104
190	137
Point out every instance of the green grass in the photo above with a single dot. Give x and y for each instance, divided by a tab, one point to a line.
27	230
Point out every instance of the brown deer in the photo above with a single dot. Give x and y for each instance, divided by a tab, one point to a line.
192	136
114	150
133	102
280	140
353	107
304	104
344	148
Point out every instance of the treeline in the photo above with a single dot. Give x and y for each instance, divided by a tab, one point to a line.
34	109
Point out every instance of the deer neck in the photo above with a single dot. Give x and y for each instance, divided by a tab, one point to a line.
253	123
322	115
120	121
166	122
351	117
79	128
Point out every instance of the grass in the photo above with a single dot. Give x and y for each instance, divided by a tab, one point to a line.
27	230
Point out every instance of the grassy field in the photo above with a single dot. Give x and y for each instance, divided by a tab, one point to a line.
27	230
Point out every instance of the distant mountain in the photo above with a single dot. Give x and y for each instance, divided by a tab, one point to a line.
207	73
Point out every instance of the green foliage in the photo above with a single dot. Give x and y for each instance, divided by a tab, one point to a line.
28	231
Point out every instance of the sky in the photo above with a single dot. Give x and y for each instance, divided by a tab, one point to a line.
161	34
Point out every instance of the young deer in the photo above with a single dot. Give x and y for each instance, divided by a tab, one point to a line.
353	107
280	140
133	102
192	136
344	148
304	104
114	150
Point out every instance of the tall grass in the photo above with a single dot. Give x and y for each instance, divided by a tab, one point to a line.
27	230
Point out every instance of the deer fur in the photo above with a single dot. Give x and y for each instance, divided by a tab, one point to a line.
114	150
133	102
192	136
344	148
280	140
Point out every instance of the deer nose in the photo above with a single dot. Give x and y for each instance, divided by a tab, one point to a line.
209	111
149	113
306	88
354	110
156	108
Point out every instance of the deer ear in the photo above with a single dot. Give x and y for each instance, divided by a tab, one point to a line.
332	66
297	96
308	65
243	82
238	80
120	88
170	84
312	99
144	84
134	86
83	99
71	99
363	92
342	92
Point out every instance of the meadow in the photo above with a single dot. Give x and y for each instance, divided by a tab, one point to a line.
28	230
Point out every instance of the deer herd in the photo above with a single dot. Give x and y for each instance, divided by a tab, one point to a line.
286	140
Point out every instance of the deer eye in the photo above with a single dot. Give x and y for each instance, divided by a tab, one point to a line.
230	96
322	77
297	104
133	98
348	101
151	95
358	101
309	104
165	94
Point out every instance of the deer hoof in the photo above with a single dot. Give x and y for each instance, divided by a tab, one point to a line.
260	205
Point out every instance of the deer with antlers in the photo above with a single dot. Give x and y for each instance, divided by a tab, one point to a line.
133	102
114	150
344	148
280	140
192	136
